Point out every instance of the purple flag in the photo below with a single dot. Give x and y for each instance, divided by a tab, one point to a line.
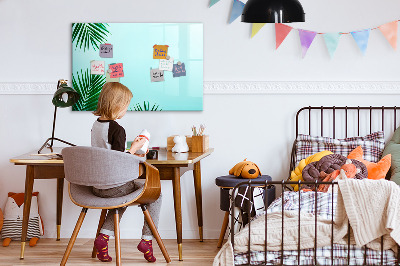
306	39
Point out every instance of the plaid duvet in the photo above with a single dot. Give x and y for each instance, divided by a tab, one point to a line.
372	145
322	207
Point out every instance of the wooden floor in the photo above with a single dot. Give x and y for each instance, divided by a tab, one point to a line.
50	252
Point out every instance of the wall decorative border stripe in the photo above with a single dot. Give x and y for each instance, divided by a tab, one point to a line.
247	87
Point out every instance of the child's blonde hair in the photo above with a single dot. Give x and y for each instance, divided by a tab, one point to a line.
114	96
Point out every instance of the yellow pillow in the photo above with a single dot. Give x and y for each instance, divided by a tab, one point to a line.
296	174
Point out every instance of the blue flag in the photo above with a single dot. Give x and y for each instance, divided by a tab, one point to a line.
237	9
361	37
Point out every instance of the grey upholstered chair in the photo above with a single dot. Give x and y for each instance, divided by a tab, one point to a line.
85	167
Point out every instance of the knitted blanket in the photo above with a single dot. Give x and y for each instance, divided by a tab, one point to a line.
373	209
371	206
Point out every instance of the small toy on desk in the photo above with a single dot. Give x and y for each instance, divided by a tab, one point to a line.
13	215
180	144
245	169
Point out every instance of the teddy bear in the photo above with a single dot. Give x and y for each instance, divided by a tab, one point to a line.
13	215
245	169
180	144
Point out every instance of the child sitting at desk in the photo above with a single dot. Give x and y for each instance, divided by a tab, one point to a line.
113	103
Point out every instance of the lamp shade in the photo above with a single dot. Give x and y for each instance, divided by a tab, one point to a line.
273	11
65	96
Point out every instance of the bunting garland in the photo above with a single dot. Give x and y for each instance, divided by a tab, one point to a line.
306	39
213	2
237	9
361	37
281	31
389	30
256	27
332	41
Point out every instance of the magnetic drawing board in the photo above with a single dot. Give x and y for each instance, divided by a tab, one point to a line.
133	54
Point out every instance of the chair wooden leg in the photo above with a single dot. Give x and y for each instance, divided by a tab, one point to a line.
73	237
101	222
117	239
154	230
223	229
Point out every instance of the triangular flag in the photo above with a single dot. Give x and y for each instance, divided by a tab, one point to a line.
361	37
390	32
281	31
306	39
332	41
256	27
237	9
213	2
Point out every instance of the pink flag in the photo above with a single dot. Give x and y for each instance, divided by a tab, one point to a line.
389	30
281	31
306	39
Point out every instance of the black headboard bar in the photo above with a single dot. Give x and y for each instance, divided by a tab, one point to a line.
346	108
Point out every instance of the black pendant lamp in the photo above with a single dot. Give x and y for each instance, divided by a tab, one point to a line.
273	11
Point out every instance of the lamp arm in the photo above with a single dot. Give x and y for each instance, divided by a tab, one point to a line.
54	126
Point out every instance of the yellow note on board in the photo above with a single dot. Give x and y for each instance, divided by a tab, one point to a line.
160	51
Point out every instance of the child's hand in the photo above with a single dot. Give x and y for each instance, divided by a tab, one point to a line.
137	144
142	155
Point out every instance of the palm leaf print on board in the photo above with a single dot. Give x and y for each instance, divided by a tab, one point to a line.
86	34
89	88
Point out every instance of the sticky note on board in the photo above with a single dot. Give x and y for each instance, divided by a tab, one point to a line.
160	51
156	75
117	70
179	70
109	79
97	67
166	64
106	50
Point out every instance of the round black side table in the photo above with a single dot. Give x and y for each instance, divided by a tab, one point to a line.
228	182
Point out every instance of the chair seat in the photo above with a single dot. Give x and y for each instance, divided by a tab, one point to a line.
83	196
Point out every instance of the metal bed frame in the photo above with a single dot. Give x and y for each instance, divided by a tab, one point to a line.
283	184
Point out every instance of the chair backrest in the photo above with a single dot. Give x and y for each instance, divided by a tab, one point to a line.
92	166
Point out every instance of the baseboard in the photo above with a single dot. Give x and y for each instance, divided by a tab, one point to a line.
245	87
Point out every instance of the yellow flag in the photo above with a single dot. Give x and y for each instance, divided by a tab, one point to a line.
255	28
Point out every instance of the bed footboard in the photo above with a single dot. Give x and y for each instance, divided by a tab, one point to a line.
312	259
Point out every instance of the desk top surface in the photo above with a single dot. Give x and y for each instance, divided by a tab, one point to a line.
164	157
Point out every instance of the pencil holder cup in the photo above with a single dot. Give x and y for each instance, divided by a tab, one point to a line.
200	143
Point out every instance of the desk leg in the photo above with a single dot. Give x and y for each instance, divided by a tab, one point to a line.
199	204
176	182
60	190
27	206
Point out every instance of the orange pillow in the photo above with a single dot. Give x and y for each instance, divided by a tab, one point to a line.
375	170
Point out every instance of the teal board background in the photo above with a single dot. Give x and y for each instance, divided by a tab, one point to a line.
133	46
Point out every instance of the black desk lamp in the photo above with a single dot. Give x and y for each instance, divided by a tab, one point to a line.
273	11
64	97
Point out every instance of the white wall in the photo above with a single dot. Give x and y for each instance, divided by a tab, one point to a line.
35	44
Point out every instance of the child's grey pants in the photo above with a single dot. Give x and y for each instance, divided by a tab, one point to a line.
154	208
